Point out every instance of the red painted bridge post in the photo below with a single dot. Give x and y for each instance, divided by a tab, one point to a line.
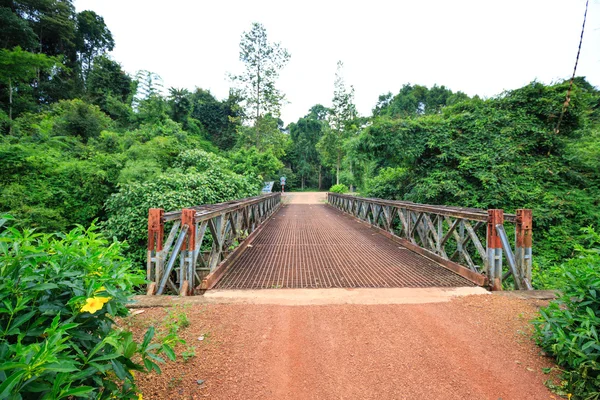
188	267
494	248
155	246
523	244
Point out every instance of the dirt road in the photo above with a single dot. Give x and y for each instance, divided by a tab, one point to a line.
304	198
474	347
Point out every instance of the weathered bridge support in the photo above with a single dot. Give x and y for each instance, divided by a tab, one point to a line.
452	236
202	241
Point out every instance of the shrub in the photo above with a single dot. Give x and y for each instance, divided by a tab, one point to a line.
59	295
339	188
128	209
568	327
77	118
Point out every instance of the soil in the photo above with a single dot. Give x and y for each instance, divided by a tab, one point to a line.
473	347
304	197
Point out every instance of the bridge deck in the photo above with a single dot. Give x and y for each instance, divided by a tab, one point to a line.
316	246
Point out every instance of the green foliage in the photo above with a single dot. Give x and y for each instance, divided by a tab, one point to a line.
51	345
250	161
342	122
77	118
19	67
415	100
200	161
45	187
92	38
339	188
110	88
305	135
387	183
128	208
262	61
219	119
168	333
568	328
497	153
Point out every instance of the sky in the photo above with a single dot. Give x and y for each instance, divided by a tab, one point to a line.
479	47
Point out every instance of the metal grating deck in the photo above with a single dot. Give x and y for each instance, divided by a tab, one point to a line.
316	246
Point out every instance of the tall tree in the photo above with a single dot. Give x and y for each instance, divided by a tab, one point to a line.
93	39
342	123
262	60
181	104
220	119
305	135
20	67
110	88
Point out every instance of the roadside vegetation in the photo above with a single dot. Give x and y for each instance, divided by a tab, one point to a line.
85	144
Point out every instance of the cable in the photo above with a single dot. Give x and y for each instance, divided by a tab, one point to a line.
568	99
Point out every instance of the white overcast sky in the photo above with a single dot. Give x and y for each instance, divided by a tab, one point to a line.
477	46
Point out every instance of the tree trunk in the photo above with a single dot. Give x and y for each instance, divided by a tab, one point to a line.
10	102
257	107
320	177
337	172
302	182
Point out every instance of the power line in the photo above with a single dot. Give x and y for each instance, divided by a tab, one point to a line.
568	99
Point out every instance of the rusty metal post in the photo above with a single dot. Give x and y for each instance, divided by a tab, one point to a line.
155	246
523	244
460	241
494	248
188	259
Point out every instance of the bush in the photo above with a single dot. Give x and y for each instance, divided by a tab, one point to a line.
77	118
59	295
128	209
339	188
568	327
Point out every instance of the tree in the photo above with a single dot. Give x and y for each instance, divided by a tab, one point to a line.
181	105
220	119
18	66
305	135
93	39
342	119
110	88
15	31
262	60
413	100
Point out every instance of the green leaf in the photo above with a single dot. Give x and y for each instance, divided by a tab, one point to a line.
169	351
148	337
44	286
10	382
118	368
12	365
78	391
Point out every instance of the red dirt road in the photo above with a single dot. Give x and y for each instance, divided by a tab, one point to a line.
474	347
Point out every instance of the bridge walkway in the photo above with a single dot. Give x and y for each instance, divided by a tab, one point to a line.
317	246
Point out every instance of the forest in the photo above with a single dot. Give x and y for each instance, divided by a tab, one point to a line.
83	143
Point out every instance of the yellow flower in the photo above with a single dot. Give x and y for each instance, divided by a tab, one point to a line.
140	396
94	304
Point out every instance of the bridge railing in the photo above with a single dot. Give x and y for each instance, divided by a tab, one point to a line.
202	241
472	242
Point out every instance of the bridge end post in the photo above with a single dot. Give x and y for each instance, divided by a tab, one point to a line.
523	244
494	249
188	259
155	246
